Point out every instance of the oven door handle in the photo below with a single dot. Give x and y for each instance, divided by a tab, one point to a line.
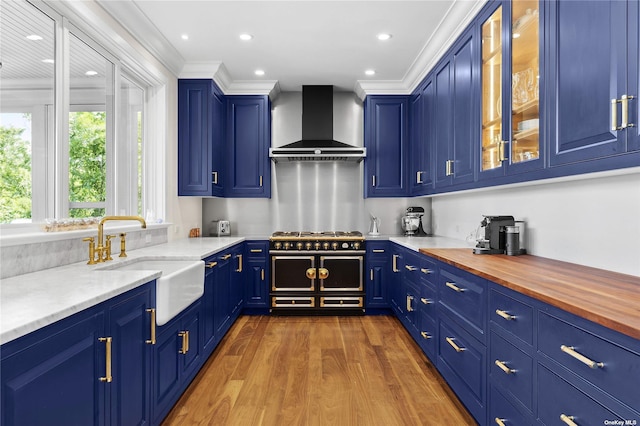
311	273
323	273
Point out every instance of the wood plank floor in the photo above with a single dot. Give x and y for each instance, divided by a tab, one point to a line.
359	370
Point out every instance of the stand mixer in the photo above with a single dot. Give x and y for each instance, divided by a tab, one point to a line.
411	222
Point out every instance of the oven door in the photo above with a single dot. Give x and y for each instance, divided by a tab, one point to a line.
293	273
341	273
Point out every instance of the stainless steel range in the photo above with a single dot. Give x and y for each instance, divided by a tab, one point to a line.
317	272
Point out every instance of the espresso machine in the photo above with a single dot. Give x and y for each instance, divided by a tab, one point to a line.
491	237
411	222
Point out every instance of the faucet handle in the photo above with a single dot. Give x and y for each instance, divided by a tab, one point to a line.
123	250
92	250
107	249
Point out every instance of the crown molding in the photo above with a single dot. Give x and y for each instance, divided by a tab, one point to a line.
458	17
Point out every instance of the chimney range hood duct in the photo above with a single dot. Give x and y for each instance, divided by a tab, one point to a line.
317	142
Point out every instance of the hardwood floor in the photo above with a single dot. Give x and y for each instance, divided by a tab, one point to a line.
360	370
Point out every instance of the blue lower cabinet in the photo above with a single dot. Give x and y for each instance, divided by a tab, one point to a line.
503	412
377	275
256	279
511	369
428	336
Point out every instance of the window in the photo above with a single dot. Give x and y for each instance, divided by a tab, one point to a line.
71	122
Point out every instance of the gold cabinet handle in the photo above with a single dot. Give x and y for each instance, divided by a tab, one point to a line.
502	153
185	341
370	274
425	335
426	301
311	273
256	250
409	307
394	263
625	111
505	315
614	115
568	420
454	287
239	263
152	340
211	265
454	346
107	377
323	273
419	177
215	178
570	350
378	250
261	274
410	268
499	421
426	271
373	180
226	256
504	367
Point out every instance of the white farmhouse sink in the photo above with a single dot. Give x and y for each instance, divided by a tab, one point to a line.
181	283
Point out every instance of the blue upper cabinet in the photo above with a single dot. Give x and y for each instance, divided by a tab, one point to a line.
588	68
456	104
421	110
385	137
248	140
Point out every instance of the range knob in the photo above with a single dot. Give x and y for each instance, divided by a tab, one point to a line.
299	246
325	246
287	245
334	245
278	245
307	246
356	246
316	246
345	245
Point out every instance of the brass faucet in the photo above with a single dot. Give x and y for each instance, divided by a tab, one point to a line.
102	252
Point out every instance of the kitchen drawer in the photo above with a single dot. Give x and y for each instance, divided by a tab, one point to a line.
428	270
427	302
462	362
558	398
377	248
512	369
257	249
503	412
512	315
464	296
428	338
615	369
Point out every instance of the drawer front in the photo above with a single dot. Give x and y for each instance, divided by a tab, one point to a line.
512	315
377	248
615	370
428	338
427	302
512	369
257	249
502	411
464	296
558	398
428	270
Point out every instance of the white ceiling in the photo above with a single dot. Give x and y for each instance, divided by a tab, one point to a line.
296	42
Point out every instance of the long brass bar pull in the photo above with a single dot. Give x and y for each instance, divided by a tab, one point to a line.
409	300
625	111
239	263
454	287
373	180
211	265
107	377
185	342
614	115
505	315
261	274
499	421
454	346
570	350
504	367
226	256
215	178
378	250
426	271
371	274
426	301
419	177
394	263
568	420
425	335
410	268
152	340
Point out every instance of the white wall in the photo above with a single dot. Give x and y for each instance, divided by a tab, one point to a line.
593	222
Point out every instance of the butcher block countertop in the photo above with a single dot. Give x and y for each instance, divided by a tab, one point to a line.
608	298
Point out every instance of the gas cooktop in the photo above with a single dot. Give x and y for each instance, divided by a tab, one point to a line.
287	235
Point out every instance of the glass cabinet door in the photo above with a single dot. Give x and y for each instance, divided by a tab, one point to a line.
492	145
525	76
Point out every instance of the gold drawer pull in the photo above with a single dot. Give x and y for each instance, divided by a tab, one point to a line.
454	346
378	250
211	265
505	315
410	268
426	301
226	256
256	250
504	367
614	115
625	111
394	263
426	271
185	341
454	287
499	421
261	274
568	420
152	340
107	376
425	335
409	300
311	273
371	274
239	257
570	350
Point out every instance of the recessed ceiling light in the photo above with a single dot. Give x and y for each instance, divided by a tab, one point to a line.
246	37
91	73
48	61
185	36
384	36
370	72
34	37
259	72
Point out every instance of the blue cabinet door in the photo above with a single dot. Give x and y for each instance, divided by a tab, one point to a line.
222	295
442	125
586	69
248	141
257	274
237	282
385	137
52	376
420	127
130	328
218	142
633	55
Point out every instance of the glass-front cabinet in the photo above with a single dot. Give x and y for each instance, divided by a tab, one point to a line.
510	89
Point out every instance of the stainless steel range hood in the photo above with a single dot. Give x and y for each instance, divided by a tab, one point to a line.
317	142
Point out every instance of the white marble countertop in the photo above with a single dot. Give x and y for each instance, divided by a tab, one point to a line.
31	301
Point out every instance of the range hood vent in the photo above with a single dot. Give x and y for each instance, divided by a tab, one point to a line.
317	142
